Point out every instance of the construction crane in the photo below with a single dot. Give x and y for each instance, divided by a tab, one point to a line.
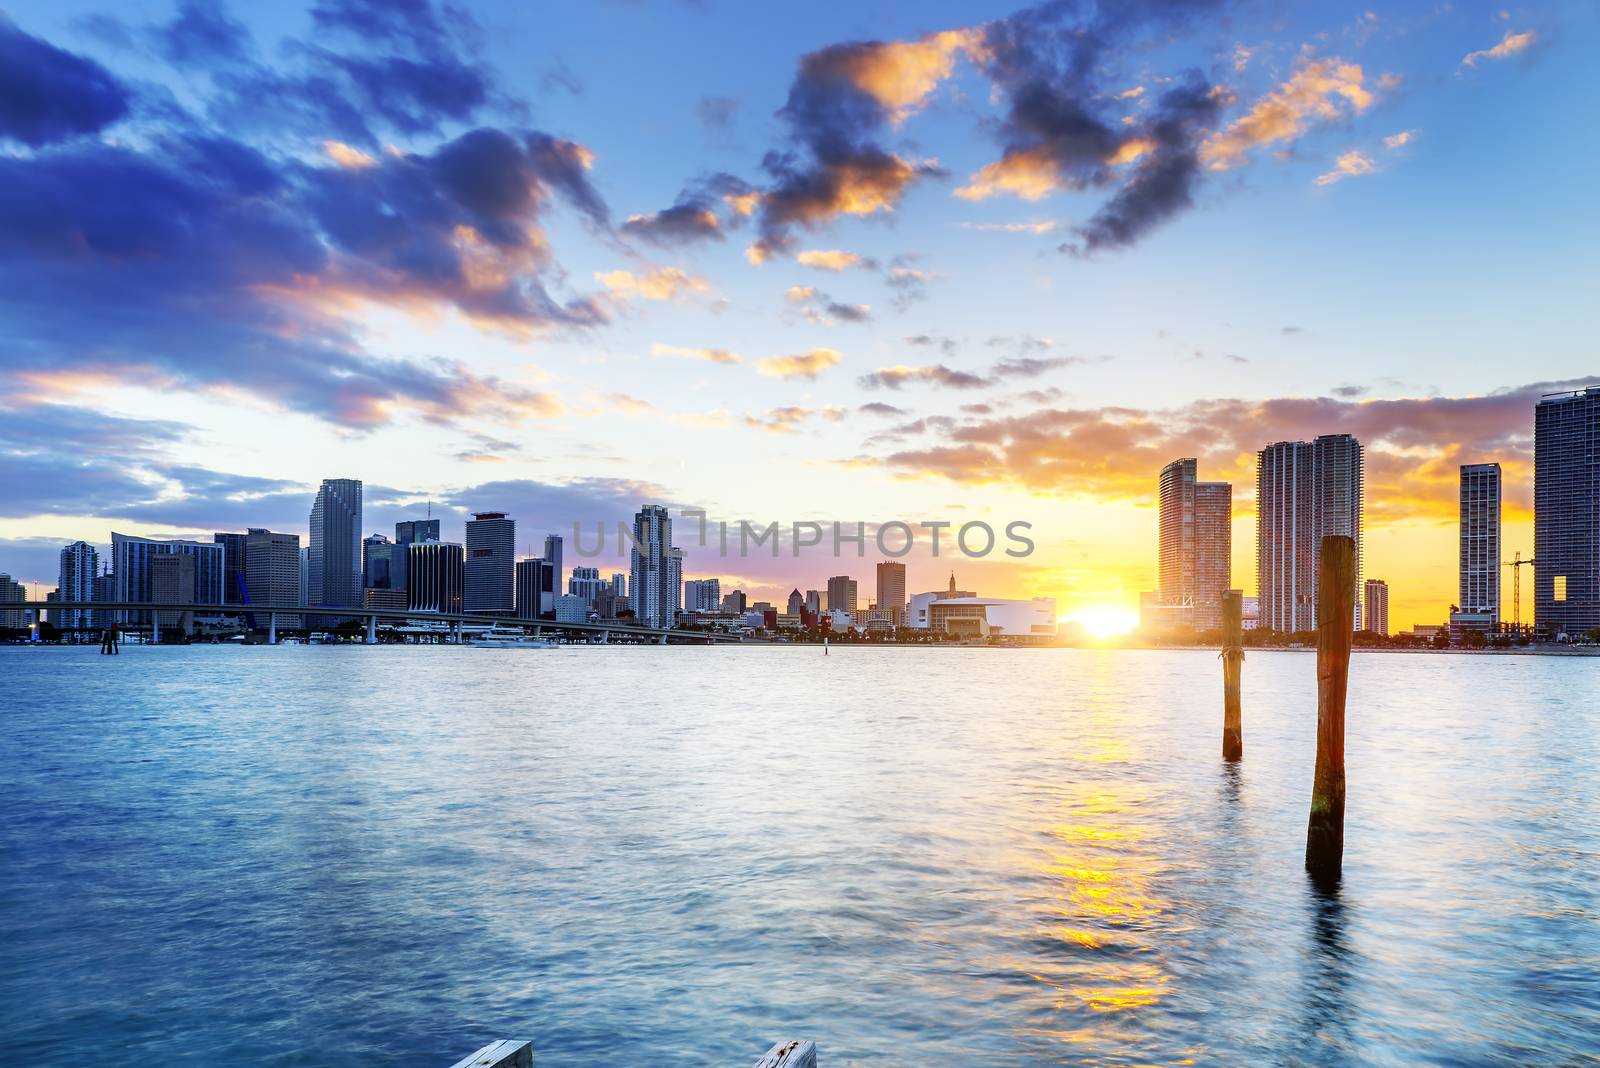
1516	566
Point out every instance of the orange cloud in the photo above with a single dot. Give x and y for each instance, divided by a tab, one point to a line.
347	157
831	259
708	355
658	283
1311	94
1509	45
807	365
1350	164
786	420
900	75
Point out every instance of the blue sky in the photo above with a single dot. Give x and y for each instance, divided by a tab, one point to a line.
387	241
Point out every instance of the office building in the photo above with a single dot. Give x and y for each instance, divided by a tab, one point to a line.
233	567
1195	547
409	530
105	589
586	583
552	555
378	568
533	584
892	590
1566	514
797	604
655	585
619	584
305	575
571	609
842	594
335	579
735	603
12	592
172	581
814	602
1375	609
702	595
75	581
1305	491
131	559
435	576
491	564
272	563
970	616
1479	596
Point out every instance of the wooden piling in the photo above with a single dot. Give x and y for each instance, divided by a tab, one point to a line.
1232	668
797	1054
506	1053
1336	595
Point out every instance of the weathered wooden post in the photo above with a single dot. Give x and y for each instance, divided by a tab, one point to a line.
798	1054
506	1053
1336	597
1232	667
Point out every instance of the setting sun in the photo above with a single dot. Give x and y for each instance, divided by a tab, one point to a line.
1106	620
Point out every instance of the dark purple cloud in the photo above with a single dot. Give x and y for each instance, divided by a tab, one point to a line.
48	95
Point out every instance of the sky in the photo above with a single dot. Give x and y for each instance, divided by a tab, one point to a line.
867	262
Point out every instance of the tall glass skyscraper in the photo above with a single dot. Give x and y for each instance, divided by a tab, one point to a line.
334	560
491	572
1479	595
132	559
1305	491
1566	513
80	567
655	588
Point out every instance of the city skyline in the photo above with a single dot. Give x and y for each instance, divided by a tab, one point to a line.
987	313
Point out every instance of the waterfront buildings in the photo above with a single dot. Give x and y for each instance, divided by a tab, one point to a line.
964	613
491	573
378	569
892	590
533	583
1375	607
172	581
571	609
1566	505
409	530
655	586
702	595
12	592
272	569
842	594
335	579
814	602
1478	602
233	566
586	583
75	581
1305	491
435	576
1194	549
552	555
735	603
131	561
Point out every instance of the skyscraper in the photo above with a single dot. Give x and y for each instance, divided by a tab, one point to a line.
378	563
533	582
272	564
619	584
335	557
797	603
1566	513
1195	549
1480	543
172	578
842	594
1377	607
586	583
552	555
75	581
409	530
233	567
11	592
435	574
131	560
655	587
1305	491
702	595
491	563
892	590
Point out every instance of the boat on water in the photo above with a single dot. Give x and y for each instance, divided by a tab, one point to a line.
510	638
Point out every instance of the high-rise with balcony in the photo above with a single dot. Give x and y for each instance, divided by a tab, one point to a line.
1195	548
491	573
334	560
1305	491
1375	607
655	587
1479	594
1566	513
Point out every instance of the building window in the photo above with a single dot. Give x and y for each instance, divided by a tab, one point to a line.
1561	587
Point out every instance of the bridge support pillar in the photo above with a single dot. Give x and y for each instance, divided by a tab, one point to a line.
155	628
663	639
272	628
372	630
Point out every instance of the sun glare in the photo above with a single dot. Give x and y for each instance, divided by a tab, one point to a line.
1105	621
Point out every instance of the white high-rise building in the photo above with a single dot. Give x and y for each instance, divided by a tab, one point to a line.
334	558
1195	550
657	580
75	581
586	583
1305	491
702	595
